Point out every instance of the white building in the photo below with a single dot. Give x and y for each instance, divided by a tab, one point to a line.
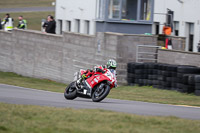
130	16
186	19
76	16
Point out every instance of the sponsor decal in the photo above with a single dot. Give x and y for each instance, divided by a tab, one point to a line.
96	80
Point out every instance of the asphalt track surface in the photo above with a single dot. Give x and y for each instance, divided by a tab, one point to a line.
27	9
19	95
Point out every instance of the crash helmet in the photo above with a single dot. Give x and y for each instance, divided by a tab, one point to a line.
111	64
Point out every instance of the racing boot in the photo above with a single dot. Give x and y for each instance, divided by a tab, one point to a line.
80	85
79	81
86	87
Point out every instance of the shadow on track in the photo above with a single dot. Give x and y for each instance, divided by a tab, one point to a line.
90	101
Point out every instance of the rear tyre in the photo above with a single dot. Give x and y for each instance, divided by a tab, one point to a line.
100	93
70	92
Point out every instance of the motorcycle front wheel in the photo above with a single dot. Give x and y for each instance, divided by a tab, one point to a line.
100	93
70	92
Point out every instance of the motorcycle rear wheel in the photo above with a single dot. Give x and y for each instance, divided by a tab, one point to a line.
70	92
99	95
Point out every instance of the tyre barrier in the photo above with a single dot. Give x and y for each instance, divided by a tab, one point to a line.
182	78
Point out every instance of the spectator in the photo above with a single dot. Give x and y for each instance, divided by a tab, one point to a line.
22	23
50	25
167	30
8	23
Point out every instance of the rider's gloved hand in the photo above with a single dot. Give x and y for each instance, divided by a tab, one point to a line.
84	76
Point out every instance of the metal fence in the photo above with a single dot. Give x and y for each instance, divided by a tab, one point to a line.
143	55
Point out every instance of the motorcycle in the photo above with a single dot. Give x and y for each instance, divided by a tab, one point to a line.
96	87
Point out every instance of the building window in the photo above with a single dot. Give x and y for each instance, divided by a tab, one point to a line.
101	9
129	9
60	25
77	25
114	9
176	28
156	28
145	10
191	36
123	9
68	26
135	10
87	27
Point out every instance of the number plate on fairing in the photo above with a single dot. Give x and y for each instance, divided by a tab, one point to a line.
109	75
96	80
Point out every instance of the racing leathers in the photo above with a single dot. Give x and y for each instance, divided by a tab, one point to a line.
88	73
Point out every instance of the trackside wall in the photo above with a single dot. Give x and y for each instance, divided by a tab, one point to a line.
126	51
178	57
57	57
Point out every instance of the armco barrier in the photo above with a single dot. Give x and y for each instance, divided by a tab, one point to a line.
182	78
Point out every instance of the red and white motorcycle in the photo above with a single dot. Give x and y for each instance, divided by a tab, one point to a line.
96	87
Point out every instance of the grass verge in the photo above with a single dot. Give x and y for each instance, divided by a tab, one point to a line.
33	18
41	84
146	94
35	119
25	3
150	94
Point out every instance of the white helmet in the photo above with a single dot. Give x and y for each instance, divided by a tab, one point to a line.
111	64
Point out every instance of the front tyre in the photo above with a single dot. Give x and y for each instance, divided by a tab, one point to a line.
70	92
100	92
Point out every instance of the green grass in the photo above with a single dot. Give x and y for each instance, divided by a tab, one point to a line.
33	18
150	94
35	119
25	3
146	94
41	84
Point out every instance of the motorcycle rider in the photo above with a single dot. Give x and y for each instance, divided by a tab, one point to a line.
111	65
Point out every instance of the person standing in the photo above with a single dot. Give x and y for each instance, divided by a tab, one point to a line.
50	25
167	30
8	23
22	23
